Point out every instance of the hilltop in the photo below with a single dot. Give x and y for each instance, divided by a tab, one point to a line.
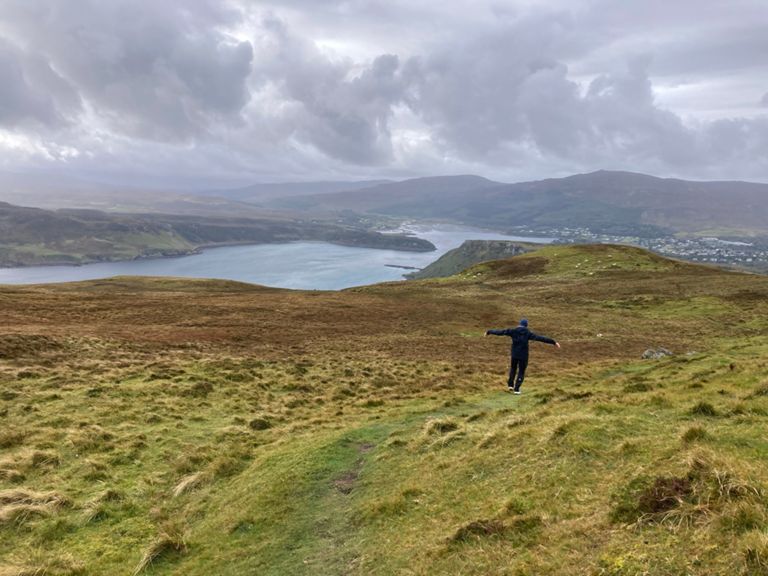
194	427
469	253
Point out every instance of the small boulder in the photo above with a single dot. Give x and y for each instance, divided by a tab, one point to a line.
656	353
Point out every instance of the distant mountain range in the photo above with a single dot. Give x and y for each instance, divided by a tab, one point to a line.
605	202
608	202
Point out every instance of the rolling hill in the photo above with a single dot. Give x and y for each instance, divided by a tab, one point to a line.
471	252
164	426
606	202
621	203
418	197
35	236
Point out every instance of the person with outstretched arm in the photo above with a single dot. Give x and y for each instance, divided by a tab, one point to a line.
519	362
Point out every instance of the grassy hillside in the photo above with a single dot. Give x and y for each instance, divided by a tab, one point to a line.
162	426
471	252
35	236
31	236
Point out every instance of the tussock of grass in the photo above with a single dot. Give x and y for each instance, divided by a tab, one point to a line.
516	506
12	475
17	506
703	409
440	426
11	438
478	529
490	439
755	553
96	508
198	389
761	391
171	540
695	434
42	564
24	496
638	387
744	516
260	423
520	528
91	437
707	488
381	509
191	482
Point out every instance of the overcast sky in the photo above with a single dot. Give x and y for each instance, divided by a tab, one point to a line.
196	92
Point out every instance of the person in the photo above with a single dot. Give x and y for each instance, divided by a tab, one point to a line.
519	361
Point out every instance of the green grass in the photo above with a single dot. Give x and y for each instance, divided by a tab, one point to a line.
217	428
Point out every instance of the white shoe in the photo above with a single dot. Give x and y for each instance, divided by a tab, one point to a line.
518	392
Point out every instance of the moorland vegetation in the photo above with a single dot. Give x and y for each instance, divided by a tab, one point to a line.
167	426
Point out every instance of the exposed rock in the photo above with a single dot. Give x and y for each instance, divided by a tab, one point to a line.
656	353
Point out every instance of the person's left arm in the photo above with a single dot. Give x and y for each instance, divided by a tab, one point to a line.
544	339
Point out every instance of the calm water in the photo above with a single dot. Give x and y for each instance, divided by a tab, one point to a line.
303	265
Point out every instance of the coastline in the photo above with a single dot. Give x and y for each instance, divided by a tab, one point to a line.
203	247
316	264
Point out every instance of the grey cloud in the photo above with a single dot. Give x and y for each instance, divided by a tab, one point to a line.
342	111
764	100
160	70
32	94
507	89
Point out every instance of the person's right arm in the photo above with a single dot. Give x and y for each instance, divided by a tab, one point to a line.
504	332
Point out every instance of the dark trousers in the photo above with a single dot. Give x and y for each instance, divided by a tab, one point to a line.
517	365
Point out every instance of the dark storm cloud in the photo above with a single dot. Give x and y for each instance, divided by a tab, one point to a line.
299	88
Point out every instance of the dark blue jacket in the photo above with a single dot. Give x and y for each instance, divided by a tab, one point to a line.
520	338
